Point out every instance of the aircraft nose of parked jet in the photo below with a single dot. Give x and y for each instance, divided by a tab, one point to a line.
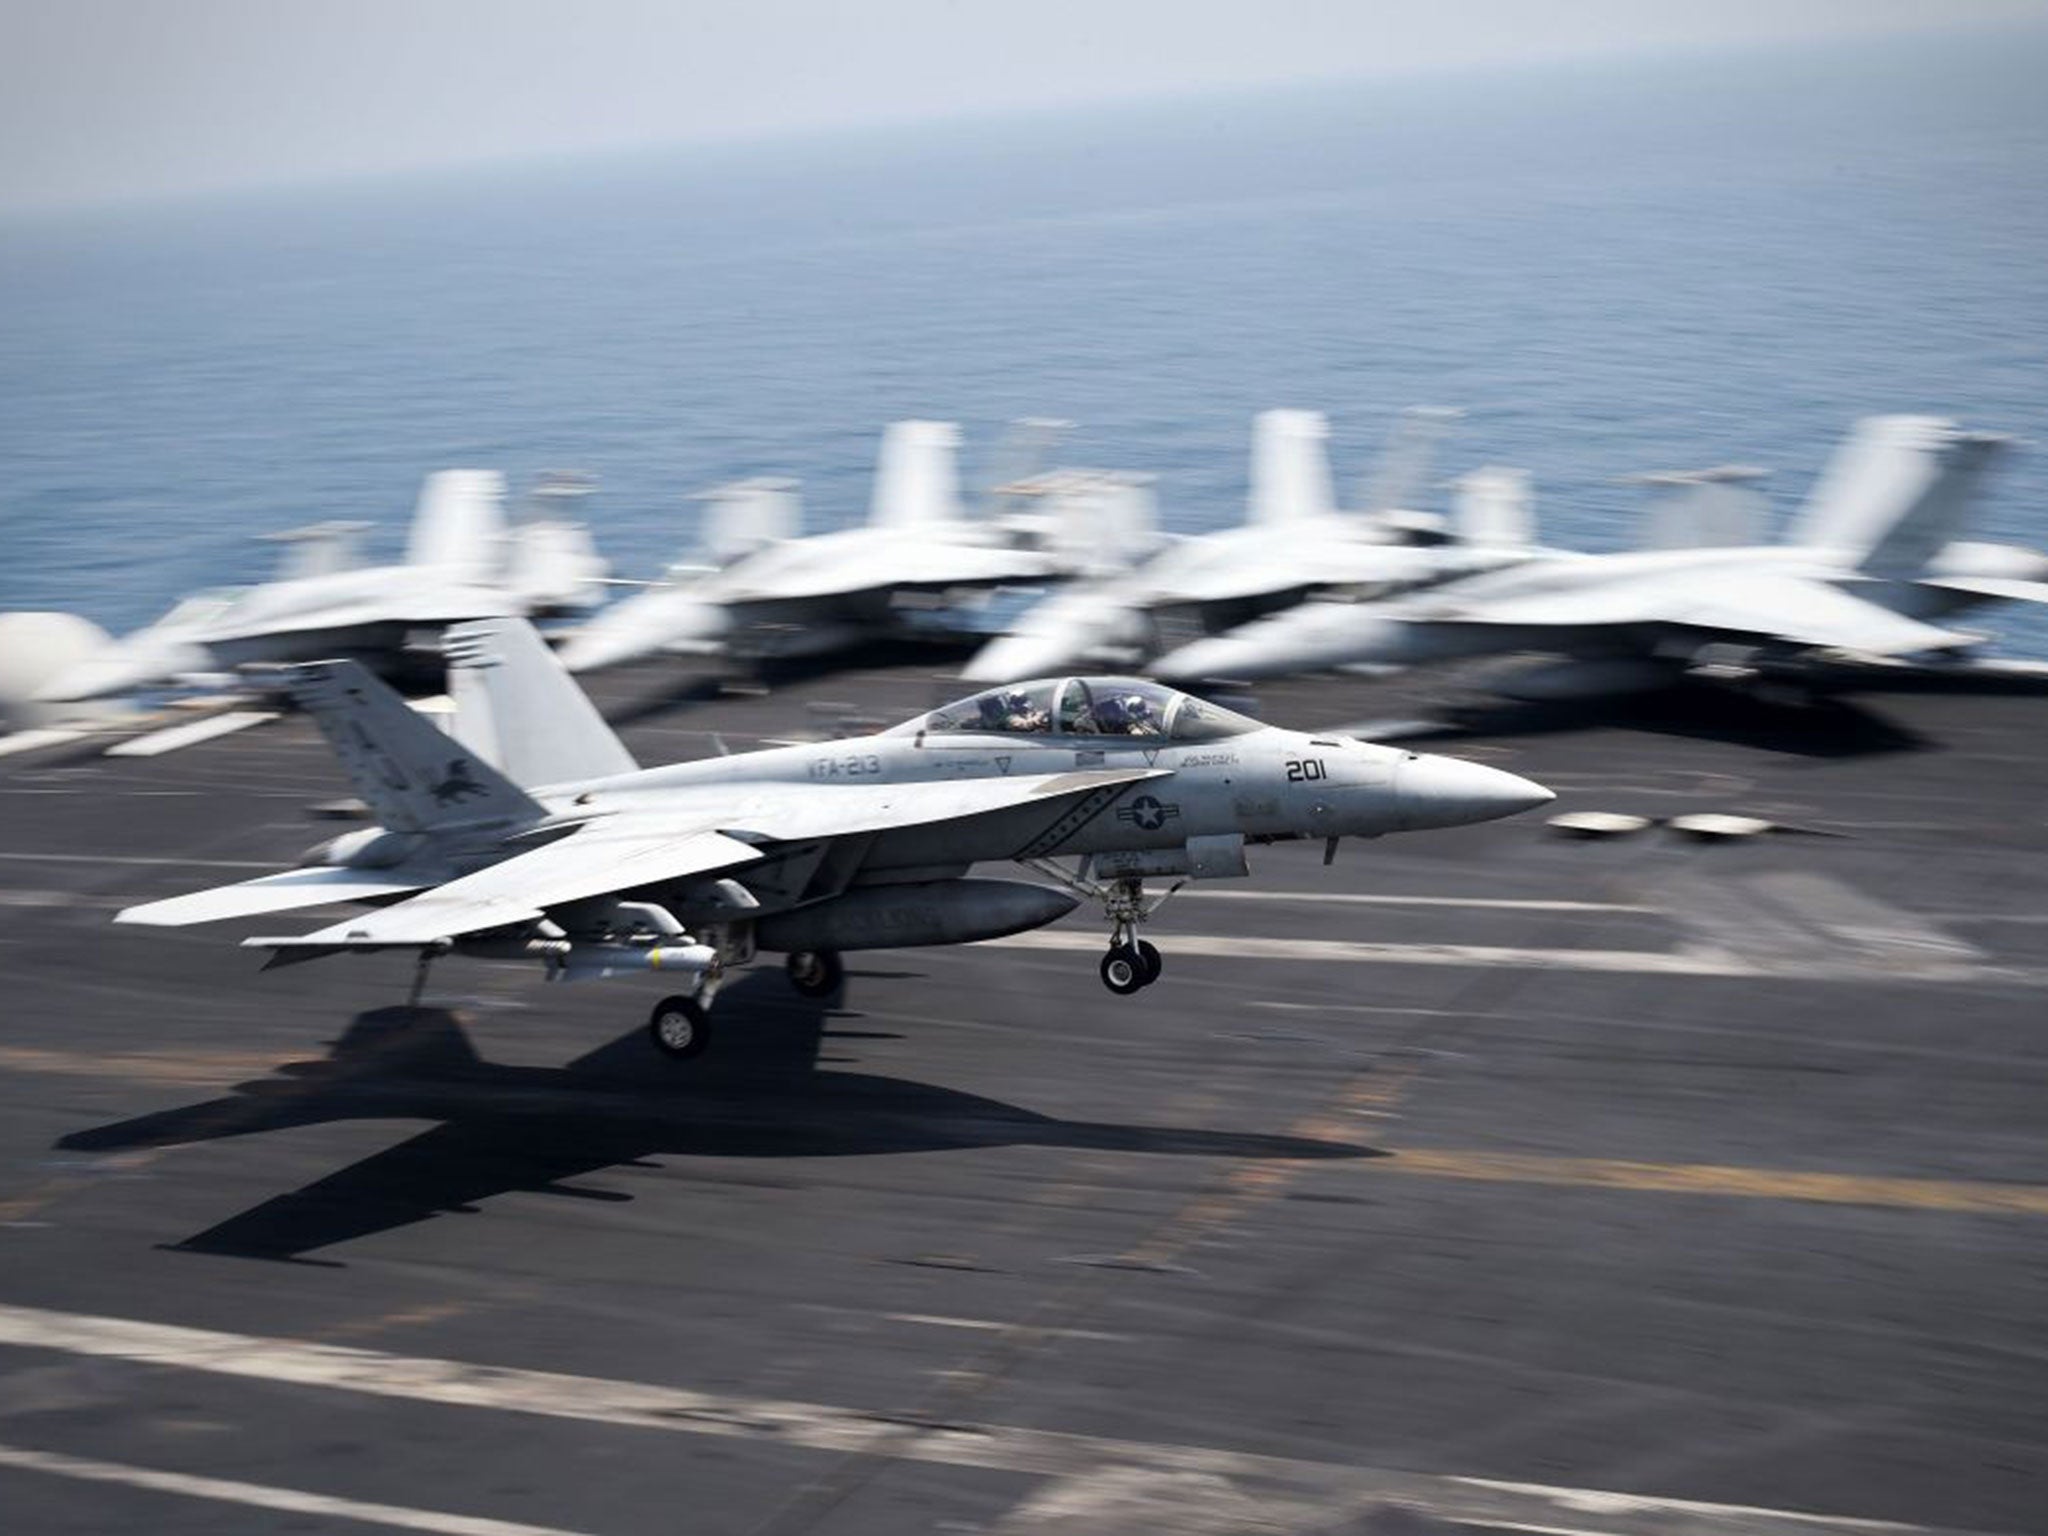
1450	792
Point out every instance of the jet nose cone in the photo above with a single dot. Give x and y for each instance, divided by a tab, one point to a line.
1450	792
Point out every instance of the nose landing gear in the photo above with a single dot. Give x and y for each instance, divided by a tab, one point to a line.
1132	964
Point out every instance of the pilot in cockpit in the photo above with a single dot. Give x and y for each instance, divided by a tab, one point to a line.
1128	715
1011	710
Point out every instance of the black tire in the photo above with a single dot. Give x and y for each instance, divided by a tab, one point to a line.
1123	970
816	972
1152	960
680	1027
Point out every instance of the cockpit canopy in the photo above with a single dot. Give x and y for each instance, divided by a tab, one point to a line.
1083	706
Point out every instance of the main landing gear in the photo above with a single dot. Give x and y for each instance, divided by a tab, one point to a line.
816	972
681	1027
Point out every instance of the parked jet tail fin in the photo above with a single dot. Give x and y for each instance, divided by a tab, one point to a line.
323	549
458	526
1715	508
1290	468
1493	509
410	773
517	707
1896	492
742	516
917	476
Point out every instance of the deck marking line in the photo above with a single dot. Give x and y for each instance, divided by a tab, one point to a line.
261	1496
1722	1179
818	1426
825	1427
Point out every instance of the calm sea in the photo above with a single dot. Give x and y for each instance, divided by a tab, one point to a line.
1609	269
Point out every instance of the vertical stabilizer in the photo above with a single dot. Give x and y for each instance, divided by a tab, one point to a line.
458	526
1718	508
517	707
1896	492
412	776
742	516
1494	509
1403	465
1290	468
324	549
917	476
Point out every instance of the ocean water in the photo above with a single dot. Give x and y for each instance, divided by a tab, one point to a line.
1609	270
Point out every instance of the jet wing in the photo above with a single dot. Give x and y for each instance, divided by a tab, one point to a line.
285	892
627	851
1771	605
2011	588
800	812
814	568
595	860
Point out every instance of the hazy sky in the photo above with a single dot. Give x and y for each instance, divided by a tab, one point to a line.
102	100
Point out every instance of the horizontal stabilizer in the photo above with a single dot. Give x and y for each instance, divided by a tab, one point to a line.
284	892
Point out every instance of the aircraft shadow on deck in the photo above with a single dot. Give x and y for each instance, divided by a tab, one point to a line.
763	1093
1825	728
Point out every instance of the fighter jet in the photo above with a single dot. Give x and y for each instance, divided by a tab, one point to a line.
788	596
1866	579
1293	543
461	562
532	835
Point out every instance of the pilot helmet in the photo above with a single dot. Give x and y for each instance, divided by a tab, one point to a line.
1017	702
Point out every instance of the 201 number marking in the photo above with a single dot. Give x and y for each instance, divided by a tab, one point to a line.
1302	770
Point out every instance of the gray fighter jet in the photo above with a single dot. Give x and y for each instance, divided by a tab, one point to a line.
1869	579
462	561
532	835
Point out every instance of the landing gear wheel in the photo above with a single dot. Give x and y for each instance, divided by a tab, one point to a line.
816	972
1124	970
680	1027
1149	956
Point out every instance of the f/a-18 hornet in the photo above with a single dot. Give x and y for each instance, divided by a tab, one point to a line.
532	835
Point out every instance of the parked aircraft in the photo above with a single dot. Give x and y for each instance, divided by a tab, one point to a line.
1293	543
1870	573
461	562
781	595
532	835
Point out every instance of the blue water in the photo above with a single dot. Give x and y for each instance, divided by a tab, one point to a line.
1610	270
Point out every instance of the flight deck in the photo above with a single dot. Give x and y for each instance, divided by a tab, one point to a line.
1486	1179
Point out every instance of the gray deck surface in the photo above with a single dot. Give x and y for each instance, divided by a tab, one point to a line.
1689	1171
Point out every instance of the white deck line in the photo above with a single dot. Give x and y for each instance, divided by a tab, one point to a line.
191	733
261	1496
850	1431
